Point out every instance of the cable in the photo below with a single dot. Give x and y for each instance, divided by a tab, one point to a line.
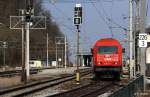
147	8
101	5
101	16
110	19
68	18
66	26
106	15
63	14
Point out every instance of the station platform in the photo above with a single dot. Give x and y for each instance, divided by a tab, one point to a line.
6	82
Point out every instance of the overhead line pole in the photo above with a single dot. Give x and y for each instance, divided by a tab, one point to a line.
47	40
65	52
27	50
142	31
23	22
56	55
137	29
23	76
29	8
131	39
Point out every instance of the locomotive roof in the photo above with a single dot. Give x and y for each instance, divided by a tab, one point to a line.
107	41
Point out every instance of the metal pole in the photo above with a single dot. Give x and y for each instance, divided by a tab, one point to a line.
47	49
56	56
136	32
62	57
4	46
4	56
142	30
27	50
134	37
23	76
65	52
77	72
78	47
131	39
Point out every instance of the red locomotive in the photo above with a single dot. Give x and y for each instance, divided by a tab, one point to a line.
107	58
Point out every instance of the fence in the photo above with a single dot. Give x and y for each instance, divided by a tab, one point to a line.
130	89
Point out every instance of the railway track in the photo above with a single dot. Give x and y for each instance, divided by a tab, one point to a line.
89	90
19	71
16	72
21	91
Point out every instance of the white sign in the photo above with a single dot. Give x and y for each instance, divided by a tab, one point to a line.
77	20
143	40
78	5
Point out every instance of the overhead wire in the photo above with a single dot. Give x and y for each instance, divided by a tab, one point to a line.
63	14
110	19
112	3
107	18
64	17
106	15
110	24
147	8
68	18
101	16
85	37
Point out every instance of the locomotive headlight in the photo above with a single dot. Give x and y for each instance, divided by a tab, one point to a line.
116	63
107	59
99	62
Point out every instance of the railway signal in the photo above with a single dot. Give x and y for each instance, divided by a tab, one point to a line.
77	14
77	19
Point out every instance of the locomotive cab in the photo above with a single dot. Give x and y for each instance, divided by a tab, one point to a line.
107	57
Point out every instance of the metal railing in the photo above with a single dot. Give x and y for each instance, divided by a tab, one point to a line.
130	89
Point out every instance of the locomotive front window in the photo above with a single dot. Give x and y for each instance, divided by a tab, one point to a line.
107	50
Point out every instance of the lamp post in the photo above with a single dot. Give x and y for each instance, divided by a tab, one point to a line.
47	40
4	46
60	41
